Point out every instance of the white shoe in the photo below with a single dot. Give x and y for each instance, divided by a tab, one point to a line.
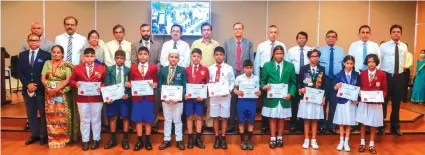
340	146
347	147
306	143
314	145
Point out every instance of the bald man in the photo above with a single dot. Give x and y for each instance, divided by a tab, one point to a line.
37	28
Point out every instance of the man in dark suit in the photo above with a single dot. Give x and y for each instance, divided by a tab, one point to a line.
30	65
238	49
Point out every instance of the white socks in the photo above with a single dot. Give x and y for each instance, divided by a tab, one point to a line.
362	142
371	143
279	138
273	138
341	140
346	146
314	144
306	143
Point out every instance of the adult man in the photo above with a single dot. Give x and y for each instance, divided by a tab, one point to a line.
45	45
175	43
363	47
393	55
72	42
331	59
297	55
147	41
117	44
238	49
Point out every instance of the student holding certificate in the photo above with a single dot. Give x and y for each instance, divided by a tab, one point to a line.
278	71
371	114
118	74
195	108
312	76
89	107
345	114
245	85
172	75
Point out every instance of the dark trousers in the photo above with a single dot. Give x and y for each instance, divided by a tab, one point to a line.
38	125
406	75
394	85
331	101
295	121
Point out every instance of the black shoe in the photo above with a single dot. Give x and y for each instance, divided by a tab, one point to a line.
230	128
223	143
293	130
249	145
165	145
265	130
85	146
180	145
199	143
190	143
125	144
110	144
272	144
381	131
95	145
32	140
148	145
243	145
27	126
279	143
138	146
331	131
396	132
322	130
217	142
43	141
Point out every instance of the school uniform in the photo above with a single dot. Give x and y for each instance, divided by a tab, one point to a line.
143	106
173	75
89	107
274	73
220	105
345	113
196	74
246	107
312	77
118	75
368	113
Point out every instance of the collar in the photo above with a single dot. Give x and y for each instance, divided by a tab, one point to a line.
373	72
281	63
117	42
142	40
209	42
269	42
73	35
144	64
195	66
117	67
392	41
361	42
35	51
173	66
87	65
315	67
244	75
236	40
349	73
175	41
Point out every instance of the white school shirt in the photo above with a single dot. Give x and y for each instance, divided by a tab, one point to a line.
226	74
388	56
145	67
184	53
263	54
113	46
243	79
293	57
79	43
356	50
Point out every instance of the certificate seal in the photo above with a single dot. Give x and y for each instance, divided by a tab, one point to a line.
271	95
165	96
81	92
340	94
107	98
212	93
306	98
365	99
242	95
135	92
189	95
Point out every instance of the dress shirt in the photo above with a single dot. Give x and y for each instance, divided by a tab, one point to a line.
35	55
263	54
113	47
388	56
409	60
45	45
145	67
243	79
338	58
293	57
207	50
79	43
122	73
371	72
184	53
226	76
356	50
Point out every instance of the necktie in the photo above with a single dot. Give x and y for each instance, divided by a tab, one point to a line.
271	51
142	70
396	59
69	50
301	57
238	56
370	77
175	45
119	75
217	73
119	47
278	71
195	70
348	78
90	70
147	44
313	70
364	53
331	63
32	58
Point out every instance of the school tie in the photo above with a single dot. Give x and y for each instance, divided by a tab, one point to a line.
331	63
217	74
301	57
271	51
195	70
32	58
370	77
119	75
119	47
396	66
364	53
314	72
348	78
142	70
69	50
238	56
175	45
90	70
278	71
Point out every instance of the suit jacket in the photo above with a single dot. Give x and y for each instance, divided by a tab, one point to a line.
179	79
318	80
230	49
32	74
154	52
341	77
150	74
271	76
379	82
80	74
111	76
201	77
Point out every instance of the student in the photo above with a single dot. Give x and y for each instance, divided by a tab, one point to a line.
173	110
278	71
221	72
118	74
312	76
194	109
143	106
246	107
89	107
345	114
370	114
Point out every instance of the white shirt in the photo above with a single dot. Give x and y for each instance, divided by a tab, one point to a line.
122	73
193	70
409	60
88	69
356	50
294	57
113	46
184	53
243	79
263	54
369	73
79	43
226	74
388	56
145	67
281	67
35	55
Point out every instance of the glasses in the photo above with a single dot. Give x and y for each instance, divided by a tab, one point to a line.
314	56
33	40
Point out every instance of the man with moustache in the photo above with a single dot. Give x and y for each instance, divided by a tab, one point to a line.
37	28
72	42
182	47
118	44
363	47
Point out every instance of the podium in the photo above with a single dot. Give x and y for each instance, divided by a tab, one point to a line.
4	55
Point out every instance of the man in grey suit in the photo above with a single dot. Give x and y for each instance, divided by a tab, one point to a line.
37	28
238	49
154	55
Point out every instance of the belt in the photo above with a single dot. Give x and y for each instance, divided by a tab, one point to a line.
394	74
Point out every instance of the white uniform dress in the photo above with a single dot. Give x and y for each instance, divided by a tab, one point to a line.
220	105
345	114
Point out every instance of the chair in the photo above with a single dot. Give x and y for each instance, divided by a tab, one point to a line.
7	76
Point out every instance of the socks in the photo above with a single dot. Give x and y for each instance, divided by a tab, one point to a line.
341	140
125	135
362	142
113	136
273	138
371	143
147	138
140	138
249	133
198	135
190	136
279	138
242	136
346	140
313	141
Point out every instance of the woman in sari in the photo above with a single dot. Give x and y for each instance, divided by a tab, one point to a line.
418	91
55	77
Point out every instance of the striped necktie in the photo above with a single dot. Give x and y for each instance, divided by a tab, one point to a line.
119	80
69	50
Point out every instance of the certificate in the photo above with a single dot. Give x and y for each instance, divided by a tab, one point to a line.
248	90
112	92
141	88
170	92
314	95
372	96
349	92
218	89
196	90
278	91
88	88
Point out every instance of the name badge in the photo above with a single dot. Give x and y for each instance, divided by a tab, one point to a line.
53	84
